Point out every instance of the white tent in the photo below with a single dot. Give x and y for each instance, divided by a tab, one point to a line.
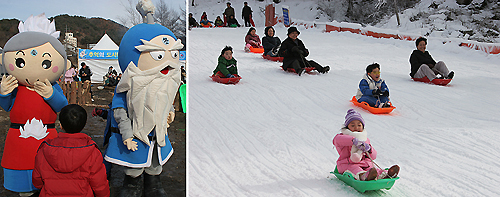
105	55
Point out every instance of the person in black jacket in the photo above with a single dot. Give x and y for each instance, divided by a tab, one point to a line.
422	64
192	21
294	52
270	43
246	13
84	72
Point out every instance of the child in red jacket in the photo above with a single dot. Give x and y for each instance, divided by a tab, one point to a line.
71	164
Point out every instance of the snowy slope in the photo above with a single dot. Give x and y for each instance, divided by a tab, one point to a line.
271	134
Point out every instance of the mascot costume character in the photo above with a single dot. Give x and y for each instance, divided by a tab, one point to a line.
34	60
142	105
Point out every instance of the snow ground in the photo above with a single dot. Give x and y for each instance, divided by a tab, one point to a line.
271	134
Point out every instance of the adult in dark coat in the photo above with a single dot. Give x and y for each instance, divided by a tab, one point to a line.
228	12
246	14
270	43
232	21
192	21
84	72
294	52
422	64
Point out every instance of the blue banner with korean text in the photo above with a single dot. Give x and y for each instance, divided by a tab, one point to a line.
97	54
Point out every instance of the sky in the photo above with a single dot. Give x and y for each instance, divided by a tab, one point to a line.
107	9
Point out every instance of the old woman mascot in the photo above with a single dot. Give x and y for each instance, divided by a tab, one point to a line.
142	107
34	59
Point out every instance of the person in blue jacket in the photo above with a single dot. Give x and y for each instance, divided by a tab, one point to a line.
372	88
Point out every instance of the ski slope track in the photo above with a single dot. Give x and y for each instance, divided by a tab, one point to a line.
271	134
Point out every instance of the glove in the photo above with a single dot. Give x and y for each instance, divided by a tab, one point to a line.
44	89
230	76
377	92
361	145
8	84
170	118
385	93
296	49
131	145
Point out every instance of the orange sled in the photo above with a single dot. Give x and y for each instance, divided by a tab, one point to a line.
256	50
225	80
276	59
441	82
373	110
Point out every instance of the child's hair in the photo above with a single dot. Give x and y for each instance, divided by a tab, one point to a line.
250	30
370	67
73	118
420	40
227	48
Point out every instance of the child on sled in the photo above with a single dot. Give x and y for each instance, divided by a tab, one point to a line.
356	154
372	89
226	67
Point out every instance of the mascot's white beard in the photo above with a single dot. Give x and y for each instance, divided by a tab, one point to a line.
150	95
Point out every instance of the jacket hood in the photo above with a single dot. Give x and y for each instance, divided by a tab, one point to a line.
266	29
67	152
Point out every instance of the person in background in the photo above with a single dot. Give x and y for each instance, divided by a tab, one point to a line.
192	21
270	42
422	64
246	14
228	12
70	74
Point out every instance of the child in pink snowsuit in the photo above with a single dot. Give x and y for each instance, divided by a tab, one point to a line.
353	147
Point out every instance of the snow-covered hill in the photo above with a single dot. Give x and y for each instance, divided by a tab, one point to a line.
479	21
271	134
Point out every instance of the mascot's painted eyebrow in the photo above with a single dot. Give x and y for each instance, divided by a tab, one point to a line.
21	52
47	54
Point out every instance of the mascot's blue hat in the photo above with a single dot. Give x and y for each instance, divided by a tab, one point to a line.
127	52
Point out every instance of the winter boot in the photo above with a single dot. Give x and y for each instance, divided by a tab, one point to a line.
325	69
300	71
450	75
152	186
392	172
132	187
370	175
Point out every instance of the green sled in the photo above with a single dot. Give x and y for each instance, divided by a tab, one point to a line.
362	186
182	94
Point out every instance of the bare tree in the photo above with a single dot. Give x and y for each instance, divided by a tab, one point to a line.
173	19
170	18
132	17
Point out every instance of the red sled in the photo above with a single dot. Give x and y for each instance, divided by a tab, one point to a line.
373	110
225	80
254	50
436	81
276	59
308	69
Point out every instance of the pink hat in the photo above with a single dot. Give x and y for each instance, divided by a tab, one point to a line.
353	115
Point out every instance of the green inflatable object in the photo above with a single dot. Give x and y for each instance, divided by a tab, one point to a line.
182	94
362	186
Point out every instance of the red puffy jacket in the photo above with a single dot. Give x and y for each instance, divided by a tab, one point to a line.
70	165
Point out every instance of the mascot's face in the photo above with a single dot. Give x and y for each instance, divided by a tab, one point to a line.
152	59
34	64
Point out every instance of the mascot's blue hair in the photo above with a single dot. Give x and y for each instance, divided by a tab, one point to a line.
127	52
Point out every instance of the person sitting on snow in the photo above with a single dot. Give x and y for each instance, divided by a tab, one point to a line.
252	39
219	22
372	89
232	22
294	52
270	43
226	68
192	21
205	22
422	64
356	154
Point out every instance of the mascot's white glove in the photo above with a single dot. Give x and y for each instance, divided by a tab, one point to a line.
44	89
8	84
131	145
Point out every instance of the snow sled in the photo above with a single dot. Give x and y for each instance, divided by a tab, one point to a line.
362	186
225	80
308	69
373	110
276	59
254	50
436	81
182	95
